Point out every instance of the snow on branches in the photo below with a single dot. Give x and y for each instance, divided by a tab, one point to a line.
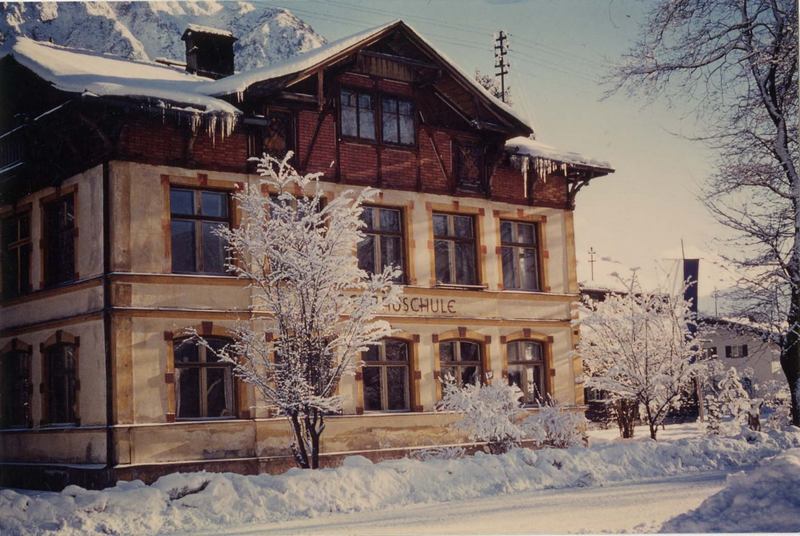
314	310
637	346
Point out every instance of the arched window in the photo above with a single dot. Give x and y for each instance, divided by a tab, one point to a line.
204	386
526	369
385	376
461	360
15	386
61	383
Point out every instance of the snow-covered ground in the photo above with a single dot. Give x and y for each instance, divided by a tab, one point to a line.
204	501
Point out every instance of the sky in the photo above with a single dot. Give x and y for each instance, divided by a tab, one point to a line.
635	218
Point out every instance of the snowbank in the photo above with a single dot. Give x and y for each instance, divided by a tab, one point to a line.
194	501
763	500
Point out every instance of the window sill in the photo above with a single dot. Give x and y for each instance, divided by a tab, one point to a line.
207	419
385	411
455	286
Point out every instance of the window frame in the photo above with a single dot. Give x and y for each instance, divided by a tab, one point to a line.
257	126
198	220
542	363
17	245
50	280
376	247
202	364
61	342
398	99
516	248
383	365
459	147
736	351
358	91
457	363
25	353
451	238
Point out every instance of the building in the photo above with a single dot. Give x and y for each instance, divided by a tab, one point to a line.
751	349
113	173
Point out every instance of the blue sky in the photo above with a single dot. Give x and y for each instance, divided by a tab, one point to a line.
559	50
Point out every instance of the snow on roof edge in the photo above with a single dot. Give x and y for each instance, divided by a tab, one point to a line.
528	147
199	28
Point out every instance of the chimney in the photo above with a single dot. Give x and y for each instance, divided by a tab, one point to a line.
209	51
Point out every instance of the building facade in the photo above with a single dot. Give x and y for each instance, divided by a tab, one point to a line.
109	201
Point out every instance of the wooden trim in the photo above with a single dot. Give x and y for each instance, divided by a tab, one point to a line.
572	266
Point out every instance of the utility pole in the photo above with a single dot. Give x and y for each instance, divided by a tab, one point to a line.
592	253
500	61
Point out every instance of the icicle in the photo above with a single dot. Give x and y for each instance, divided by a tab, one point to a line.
526	162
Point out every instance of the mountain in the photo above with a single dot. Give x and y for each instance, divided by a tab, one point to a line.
149	30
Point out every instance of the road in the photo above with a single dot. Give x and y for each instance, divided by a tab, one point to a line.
639	507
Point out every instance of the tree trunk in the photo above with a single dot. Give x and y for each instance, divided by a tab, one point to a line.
790	355
626	416
299	447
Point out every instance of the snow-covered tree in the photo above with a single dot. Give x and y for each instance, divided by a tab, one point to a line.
492	85
313	309
737	60
637	346
555	426
491	412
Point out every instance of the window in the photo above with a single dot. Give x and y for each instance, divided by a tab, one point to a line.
59	240
461	360
469	167
196	215
455	251
61	382
526	369
383	240
358	114
203	384
397	120
736	351
519	255
710	352
16	255
273	135
385	376
15	394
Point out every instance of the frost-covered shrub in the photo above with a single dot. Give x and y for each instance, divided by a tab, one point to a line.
555	426
777	403
727	398
440	453
490	412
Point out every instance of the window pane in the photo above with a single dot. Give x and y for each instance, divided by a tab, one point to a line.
349	114
186	352
215	204
372	354
526	233
216	344
396	350
447	351
366	217
465	263
372	388
405	108
391	252
450	374
532	351
25	268
506	231
442	252
407	129
218	392
529	270
11	273
440	225
181	201
470	351
470	375
513	351
366	124
389	130
365	102
14	394
390	220
366	254
463	226
24	226
213	248
188	396
397	387
183	257
60	384
509	279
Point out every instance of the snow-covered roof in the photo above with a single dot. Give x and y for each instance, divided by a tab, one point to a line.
94	74
528	147
207	29
308	60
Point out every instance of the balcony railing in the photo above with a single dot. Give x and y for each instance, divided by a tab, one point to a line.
12	148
